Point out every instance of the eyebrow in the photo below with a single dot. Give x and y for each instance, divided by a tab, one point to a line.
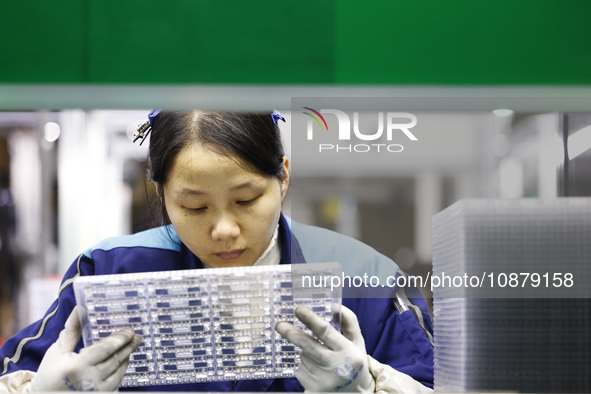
244	185
193	192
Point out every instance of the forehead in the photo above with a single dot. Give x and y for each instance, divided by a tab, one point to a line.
196	164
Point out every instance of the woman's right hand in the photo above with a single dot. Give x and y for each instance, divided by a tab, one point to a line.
99	367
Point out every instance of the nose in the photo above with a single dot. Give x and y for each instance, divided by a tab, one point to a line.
225	228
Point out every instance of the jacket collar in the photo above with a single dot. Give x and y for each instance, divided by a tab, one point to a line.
291	252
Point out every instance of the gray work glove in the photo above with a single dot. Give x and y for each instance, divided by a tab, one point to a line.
338	362
99	367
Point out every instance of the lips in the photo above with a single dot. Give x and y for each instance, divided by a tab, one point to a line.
230	255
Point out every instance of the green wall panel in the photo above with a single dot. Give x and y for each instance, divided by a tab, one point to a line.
463	42
193	41
42	41
456	42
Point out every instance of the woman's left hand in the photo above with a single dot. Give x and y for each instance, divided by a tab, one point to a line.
99	367
334	362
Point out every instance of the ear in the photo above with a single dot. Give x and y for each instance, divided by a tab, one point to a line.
284	182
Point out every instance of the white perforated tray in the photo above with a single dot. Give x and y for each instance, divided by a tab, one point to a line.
205	325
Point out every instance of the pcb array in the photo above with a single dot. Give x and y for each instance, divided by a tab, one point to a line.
204	325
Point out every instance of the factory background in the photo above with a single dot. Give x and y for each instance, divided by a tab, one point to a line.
77	77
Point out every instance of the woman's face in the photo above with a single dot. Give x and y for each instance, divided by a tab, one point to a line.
222	211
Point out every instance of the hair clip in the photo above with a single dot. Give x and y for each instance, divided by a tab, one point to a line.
144	129
276	116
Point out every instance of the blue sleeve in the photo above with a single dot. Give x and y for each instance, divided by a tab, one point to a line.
151	250
25	350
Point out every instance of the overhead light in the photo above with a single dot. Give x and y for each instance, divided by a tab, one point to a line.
51	131
579	142
503	112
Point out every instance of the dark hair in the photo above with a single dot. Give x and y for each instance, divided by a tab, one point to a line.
252	137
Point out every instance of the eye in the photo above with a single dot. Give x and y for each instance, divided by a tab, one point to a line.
247	202
198	210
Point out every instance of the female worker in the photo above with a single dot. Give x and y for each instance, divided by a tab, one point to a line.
221	179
